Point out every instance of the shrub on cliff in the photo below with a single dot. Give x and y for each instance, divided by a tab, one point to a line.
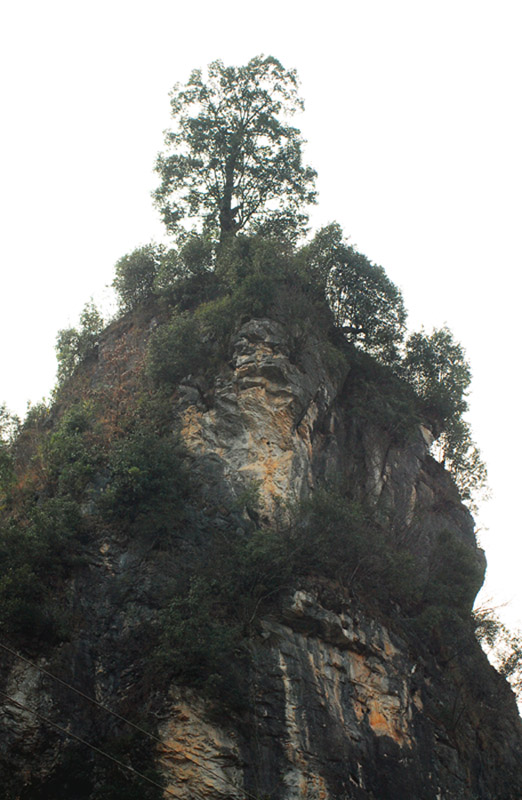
504	647
8	426
73	345
235	576
73	451
366	305
136	275
377	396
436	366
37	550
202	642
176	350
147	482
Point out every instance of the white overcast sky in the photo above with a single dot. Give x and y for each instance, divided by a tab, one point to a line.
414	124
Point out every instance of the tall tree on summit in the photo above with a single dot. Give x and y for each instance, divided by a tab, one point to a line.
231	161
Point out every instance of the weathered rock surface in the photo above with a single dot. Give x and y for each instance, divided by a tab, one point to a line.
343	709
341	702
262	423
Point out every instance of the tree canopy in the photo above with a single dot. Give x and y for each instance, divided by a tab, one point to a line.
232	161
436	366
366	305
74	344
8	427
136	274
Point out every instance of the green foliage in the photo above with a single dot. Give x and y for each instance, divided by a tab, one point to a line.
73	451
71	778
251	275
366	305
245	256
148	484
504	647
137	274
338	538
201	644
256	277
379	397
24	449
455	574
135	751
458	452
197	254
9	426
177	349
231	158
183	276
235	576
37	416
262	277
35	555
436	367
74	345
81	777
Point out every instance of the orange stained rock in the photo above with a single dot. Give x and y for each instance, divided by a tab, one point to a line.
277	419
391	724
359	709
389	649
379	724
385	716
188	772
191	426
360	672
323	791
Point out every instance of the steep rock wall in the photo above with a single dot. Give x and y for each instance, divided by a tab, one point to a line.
344	702
286	428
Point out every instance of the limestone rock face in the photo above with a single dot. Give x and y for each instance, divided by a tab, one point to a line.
343	702
198	758
343	709
264	417
283	428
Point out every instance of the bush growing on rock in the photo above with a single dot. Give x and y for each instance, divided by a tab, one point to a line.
73	345
436	366
148	484
36	554
366	305
136	275
176	350
73	451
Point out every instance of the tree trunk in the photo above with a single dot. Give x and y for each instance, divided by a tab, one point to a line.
227	214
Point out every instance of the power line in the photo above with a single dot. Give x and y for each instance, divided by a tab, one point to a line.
122	719
87	744
79	692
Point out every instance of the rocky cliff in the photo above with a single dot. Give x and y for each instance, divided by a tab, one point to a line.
348	687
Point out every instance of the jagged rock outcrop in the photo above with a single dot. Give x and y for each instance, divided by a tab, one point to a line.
343	709
344	699
266	413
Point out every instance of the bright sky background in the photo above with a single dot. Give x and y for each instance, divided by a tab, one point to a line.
414	123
